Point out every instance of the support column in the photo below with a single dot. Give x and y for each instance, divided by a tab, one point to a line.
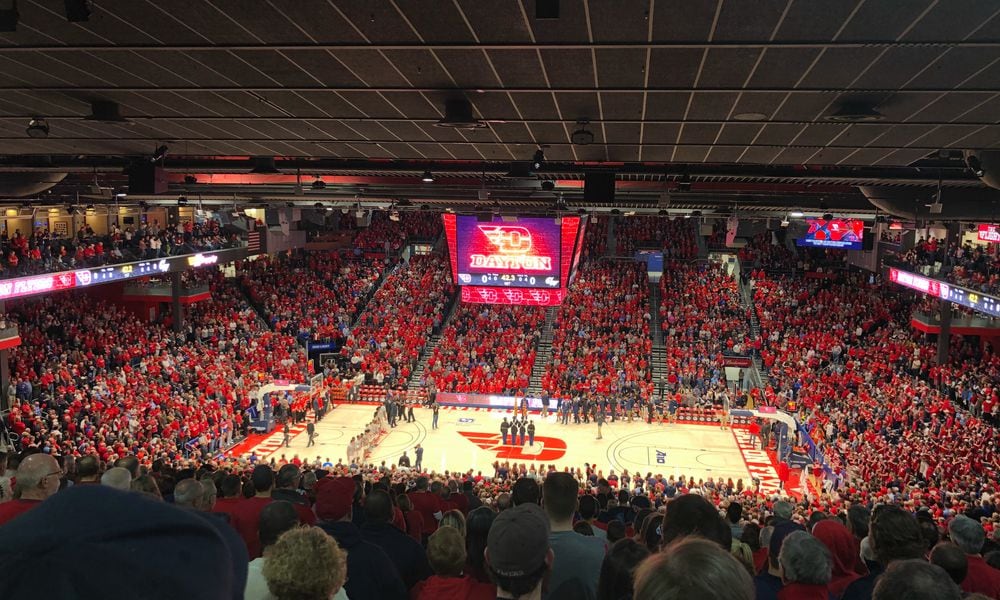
175	299
944	337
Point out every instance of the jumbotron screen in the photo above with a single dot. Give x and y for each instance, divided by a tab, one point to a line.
845	234
492	254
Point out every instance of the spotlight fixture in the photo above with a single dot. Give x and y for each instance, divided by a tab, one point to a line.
548	185
427	177
785	222
538	160
827	217
77	11
319	184
190	180
975	165
318	205
182	201
796	214
9	18
160	153
663	212
394	215
38	128
329	209
90	207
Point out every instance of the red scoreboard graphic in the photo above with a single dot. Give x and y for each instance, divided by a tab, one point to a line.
513	260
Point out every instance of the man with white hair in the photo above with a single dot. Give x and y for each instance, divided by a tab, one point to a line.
118	478
37	478
969	535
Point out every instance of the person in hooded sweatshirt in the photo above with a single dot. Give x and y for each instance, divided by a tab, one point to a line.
844	549
370	572
446	553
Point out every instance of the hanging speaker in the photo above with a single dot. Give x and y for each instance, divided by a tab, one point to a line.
599	186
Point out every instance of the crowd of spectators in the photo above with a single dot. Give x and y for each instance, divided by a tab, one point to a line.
487	349
702	319
970	265
892	424
409	307
674	236
311	295
411	225
315	530
42	250
601	342
91	377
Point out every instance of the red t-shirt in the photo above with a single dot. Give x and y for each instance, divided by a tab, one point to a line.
427	504
230	507
247	522
981	578
15	508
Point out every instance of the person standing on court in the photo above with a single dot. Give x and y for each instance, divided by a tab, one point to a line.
504	428
521	430
288	434
599	418
419	452
409	413
531	433
311	430
434	415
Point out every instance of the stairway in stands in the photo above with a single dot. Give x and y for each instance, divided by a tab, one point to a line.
659	357
612	249
699	238
418	371
543	353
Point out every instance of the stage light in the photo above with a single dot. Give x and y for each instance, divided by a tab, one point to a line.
38	128
160	153
394	215
319	184
538	160
182	201
785	222
427	177
190	180
796	214
77	11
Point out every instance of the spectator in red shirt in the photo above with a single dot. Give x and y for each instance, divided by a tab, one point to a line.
429	505
37	478
231	488
248	511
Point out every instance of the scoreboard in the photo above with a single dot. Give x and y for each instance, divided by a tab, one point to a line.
22	287
501	259
977	301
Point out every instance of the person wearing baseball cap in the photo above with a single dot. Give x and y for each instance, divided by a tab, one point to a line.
518	556
370	571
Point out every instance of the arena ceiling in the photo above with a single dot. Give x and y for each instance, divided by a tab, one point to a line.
833	92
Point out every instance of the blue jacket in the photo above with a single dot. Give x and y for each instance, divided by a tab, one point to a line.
370	572
406	553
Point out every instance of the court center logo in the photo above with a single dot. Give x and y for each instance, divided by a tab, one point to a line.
546	448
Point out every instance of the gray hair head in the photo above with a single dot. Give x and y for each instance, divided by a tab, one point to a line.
118	478
805	559
783	509
967	534
915	579
765	536
189	493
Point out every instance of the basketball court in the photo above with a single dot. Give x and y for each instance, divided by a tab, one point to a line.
470	438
